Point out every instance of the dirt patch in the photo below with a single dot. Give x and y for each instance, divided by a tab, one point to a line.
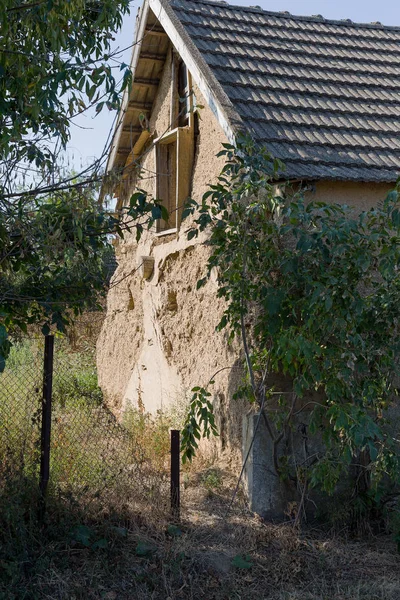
134	551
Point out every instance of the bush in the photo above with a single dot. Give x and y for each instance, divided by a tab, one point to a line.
313	293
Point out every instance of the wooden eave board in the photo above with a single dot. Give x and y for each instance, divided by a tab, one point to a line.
146	68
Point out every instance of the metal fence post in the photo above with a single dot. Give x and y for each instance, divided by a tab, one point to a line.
46	421
175	474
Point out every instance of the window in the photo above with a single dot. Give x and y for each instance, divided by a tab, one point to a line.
183	95
166	181
174	151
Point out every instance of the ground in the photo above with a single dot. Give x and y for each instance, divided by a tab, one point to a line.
108	534
209	555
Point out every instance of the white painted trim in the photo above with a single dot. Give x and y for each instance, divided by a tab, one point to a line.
170	136
155	159
193	68
166	232
140	31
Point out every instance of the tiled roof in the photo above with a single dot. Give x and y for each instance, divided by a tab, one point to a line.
324	96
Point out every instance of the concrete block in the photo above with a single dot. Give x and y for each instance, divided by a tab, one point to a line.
267	496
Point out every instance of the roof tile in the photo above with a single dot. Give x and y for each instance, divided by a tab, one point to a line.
324	96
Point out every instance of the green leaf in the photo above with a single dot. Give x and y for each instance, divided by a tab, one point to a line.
164	212
46	329
3	335
201	283
100	544
174	531
156	212
192	233
242	561
121	531
83	534
145	549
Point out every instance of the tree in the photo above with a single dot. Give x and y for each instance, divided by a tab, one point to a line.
55	63
312	291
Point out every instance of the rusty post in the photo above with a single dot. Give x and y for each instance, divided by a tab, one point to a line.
175	474
46	422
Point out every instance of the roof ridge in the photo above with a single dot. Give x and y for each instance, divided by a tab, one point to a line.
287	15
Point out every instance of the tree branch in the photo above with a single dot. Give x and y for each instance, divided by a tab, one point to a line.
24	6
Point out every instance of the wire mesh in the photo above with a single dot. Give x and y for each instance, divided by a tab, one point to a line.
94	459
20	412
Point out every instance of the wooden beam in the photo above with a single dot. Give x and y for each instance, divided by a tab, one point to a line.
155	57
138	147
146	82
135	152
153	30
144	106
133	129
124	151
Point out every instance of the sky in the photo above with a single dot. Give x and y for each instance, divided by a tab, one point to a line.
87	144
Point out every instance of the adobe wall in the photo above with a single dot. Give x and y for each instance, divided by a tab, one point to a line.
360	195
158	339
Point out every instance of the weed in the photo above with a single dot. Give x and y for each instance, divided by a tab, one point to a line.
212	480
107	533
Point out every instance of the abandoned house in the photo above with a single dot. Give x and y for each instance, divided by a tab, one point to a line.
323	96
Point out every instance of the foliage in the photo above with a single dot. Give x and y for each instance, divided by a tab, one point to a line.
212	480
55	63
313	291
199	422
53	257
75	381
152	434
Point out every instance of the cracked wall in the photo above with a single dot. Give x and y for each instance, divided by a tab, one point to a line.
158	339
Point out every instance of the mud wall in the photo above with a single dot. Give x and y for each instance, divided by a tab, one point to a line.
158	339
360	195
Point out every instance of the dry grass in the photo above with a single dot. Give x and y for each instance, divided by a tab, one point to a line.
128	552
115	541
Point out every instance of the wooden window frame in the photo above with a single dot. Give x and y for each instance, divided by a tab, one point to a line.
184	139
168	139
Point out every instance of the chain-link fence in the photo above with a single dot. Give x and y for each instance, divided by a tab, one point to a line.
94	459
20	413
